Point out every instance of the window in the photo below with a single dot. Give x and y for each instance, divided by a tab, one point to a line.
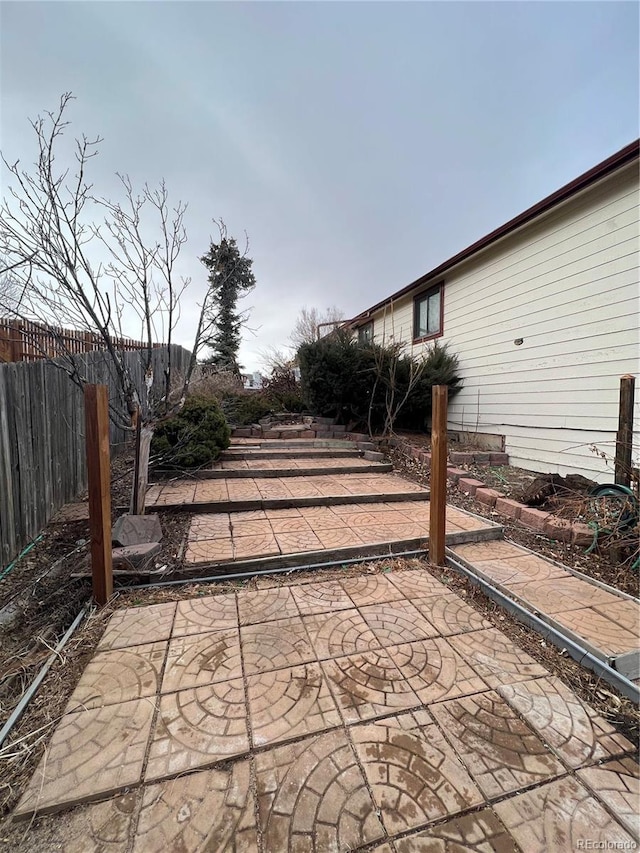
365	333
427	314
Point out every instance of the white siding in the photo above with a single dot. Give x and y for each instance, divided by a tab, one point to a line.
567	284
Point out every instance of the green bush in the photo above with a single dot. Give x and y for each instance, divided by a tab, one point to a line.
245	408
193	437
354	381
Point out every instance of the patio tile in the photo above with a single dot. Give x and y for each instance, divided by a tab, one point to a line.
242	490
371	589
92	752
501	752
250	515
199	659
342	633
495	657
289	703
347	509
559	817
449	614
463	520
119	675
209	551
617	784
600	630
519	569
497	549
246	547
396	622
312	796
479	832
201	615
96	828
275	514
138	625
418	583
570	726
322	518
211	491
626	613
377	533
259	527
292	543
435	671
266	604
291	524
275	645
414	775
322	597
211	526
340	537
557	595
197	727
207	811
368	685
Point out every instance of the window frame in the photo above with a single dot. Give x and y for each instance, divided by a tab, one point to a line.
420	297
361	333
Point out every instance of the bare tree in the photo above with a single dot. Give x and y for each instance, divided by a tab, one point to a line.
10	291
312	324
91	264
387	358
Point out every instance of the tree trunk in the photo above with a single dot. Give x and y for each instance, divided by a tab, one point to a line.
141	477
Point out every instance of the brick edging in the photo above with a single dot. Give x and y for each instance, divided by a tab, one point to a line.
546	523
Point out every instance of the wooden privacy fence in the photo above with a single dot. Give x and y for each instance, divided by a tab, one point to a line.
42	453
22	340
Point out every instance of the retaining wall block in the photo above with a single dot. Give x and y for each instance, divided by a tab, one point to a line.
558	528
508	507
534	518
487	496
469	485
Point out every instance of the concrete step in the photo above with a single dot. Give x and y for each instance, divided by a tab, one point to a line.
293	444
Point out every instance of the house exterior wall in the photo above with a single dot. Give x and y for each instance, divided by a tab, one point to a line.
568	285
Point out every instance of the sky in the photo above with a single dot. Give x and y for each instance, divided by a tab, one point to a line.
358	144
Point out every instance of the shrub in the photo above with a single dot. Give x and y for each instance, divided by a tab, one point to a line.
359	382
245	408
283	390
193	437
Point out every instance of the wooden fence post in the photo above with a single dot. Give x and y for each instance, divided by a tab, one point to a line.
438	498
96	409
624	438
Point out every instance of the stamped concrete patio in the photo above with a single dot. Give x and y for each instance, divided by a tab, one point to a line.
379	712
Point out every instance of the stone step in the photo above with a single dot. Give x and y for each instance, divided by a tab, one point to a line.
262	473
250	505
336	555
300	453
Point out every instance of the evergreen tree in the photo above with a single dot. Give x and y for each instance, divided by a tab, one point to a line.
231	278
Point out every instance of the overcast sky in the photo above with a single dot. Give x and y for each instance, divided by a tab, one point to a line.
358	144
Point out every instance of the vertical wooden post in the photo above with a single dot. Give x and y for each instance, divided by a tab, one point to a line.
438	499
96	411
624	438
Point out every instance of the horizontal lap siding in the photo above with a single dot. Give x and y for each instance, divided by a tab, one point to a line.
568	285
